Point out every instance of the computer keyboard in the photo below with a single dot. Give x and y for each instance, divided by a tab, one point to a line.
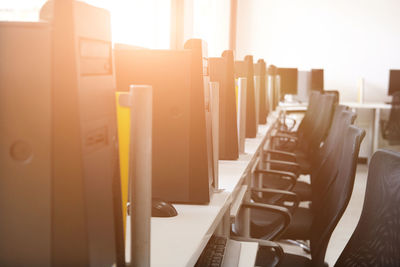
213	253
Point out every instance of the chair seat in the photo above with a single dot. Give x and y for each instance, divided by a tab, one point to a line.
300	225
265	257
265	223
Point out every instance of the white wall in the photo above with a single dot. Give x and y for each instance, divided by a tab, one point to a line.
349	39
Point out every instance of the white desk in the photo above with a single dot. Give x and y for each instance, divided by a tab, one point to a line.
376	107
179	241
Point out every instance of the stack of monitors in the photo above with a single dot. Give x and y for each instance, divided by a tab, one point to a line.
245	69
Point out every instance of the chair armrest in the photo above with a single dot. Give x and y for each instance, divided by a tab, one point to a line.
282	135
280	152
287	216
264	243
290	196
291	175
281	162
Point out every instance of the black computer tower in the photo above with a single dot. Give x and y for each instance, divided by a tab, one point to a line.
222	71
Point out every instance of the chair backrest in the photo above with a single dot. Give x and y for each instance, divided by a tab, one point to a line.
335	93
322	123
311	113
376	239
336	129
337	196
328	166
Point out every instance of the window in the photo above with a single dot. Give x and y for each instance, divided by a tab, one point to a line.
144	23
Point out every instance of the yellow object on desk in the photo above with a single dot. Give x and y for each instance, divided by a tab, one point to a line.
123	120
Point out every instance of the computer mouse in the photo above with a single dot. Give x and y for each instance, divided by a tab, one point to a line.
161	208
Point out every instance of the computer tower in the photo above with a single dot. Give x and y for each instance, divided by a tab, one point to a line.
245	69
288	82
260	71
317	79
180	156
222	71
58	156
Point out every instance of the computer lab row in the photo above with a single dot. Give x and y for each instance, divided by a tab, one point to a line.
98	138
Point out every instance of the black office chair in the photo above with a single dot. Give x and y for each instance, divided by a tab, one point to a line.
342	119
391	129
272	179
264	223
376	239
334	204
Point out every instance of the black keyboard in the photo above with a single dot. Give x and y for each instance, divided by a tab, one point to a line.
213	253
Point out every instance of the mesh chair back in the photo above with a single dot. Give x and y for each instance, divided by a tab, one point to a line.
328	167
311	113
319	129
376	239
337	196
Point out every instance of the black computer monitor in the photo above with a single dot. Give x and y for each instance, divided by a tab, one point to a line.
222	71
288	81
317	80
260	70
180	160
245	69
394	81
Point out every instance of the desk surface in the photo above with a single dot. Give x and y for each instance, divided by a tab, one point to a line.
179	241
366	105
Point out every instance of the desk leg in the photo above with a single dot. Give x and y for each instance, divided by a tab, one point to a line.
224	227
377	117
246	212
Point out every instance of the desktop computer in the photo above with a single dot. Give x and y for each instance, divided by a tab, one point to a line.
260	73
60	196
288	82
222	71
317	79
245	69
181	161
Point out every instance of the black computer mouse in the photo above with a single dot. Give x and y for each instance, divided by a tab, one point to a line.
162	208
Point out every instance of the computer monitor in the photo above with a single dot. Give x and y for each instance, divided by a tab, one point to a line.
394	82
288	81
260	70
59	201
317	80
222	71
245	69
180	155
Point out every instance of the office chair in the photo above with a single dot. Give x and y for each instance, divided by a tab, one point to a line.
334	204
391	129
376	239
307	151
342	119
264	223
